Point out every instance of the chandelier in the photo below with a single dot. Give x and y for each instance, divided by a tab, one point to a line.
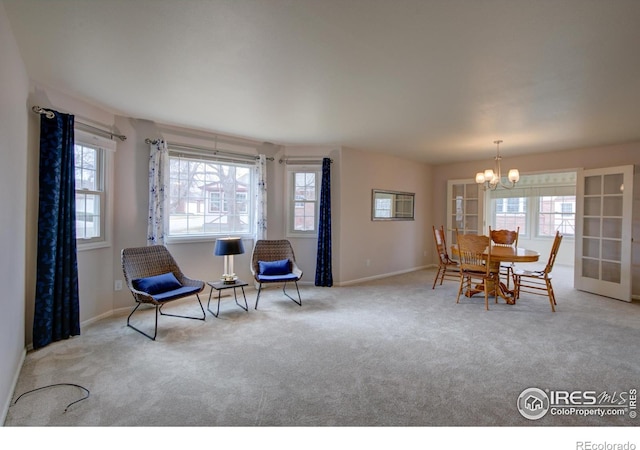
492	178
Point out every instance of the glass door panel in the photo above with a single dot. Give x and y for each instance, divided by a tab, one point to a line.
591	248
464	208
612	206
611	250
612	228
592	185
613	184
603	254
591	227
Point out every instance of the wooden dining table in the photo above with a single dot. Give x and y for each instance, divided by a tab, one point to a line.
500	254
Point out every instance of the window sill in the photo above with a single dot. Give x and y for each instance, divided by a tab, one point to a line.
202	238
313	235
92	245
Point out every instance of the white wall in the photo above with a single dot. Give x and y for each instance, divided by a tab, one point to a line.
14	90
131	196
369	248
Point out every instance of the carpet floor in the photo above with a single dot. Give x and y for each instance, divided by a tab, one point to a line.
390	352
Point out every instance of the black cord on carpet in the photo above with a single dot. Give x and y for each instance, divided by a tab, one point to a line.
58	384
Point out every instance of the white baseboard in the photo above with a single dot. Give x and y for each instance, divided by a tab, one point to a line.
16	375
96	318
384	275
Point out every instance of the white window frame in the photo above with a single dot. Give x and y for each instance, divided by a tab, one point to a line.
563	214
524	208
533	188
291	172
105	149
203	156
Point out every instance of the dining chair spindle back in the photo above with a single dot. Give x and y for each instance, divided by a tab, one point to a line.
447	267
505	238
474	252
539	282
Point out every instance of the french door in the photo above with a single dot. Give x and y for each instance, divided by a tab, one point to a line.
603	231
465	207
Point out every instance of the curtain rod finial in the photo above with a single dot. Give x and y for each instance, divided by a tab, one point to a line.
46	112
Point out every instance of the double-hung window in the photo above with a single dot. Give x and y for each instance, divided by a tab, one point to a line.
303	188
91	156
209	196
540	205
557	213
511	213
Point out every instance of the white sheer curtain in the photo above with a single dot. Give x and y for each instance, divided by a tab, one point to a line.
158	180
261	197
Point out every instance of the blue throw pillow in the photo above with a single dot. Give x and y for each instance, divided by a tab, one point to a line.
157	284
281	267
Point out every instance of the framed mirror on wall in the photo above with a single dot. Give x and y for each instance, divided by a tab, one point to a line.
392	205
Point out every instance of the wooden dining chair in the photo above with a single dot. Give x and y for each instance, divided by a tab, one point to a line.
539	282
505	238
447	267
475	265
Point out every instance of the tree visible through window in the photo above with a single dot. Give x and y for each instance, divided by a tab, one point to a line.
209	197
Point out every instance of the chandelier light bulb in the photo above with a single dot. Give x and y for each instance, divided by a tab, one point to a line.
492	179
489	175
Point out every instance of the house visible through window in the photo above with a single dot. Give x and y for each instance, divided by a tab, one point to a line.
304	192
540	205
209	197
511	213
557	213
90	160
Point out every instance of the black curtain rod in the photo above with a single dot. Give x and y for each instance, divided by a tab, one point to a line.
50	115
214	151
293	160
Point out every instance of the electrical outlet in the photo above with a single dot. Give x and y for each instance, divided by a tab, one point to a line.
118	285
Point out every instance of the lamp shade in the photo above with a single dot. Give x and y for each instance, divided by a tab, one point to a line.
228	246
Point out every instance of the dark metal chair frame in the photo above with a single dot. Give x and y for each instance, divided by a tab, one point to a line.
275	250
142	262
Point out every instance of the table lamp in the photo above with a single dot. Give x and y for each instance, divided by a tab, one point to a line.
228	247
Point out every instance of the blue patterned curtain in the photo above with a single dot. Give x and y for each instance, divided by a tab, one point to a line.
158	190
324	277
261	198
57	305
